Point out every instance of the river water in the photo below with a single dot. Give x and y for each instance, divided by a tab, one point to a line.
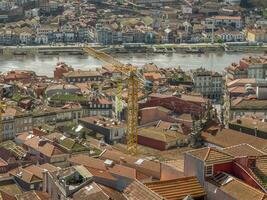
44	65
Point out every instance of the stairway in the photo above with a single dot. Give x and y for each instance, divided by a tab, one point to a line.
260	171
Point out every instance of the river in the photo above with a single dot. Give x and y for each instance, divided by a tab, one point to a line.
44	65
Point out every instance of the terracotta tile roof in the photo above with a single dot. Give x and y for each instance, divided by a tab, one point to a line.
250	122
241	82
177	164
237	89
184	97
38	170
150	67
220	17
228	137
80	73
112	193
10	187
92	192
47	149
98	164
149	168
249	103
3	163
104	174
178	189
160	135
152	75
5	196
211	155
123	171
236	188
137	191
243	150
33	195
25	175
160	108
49	167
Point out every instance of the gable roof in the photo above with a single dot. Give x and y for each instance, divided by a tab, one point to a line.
243	150
93	163
25	175
178	189
136	191
228	137
33	195
47	149
149	168
236	188
92	192
211	155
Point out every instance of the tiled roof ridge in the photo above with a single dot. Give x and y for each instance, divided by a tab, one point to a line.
207	154
230	147
37	196
143	185
164	181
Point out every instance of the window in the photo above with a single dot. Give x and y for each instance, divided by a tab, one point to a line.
116	134
32	186
209	170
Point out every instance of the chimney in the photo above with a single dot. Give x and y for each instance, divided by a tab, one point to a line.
122	160
42	142
45	180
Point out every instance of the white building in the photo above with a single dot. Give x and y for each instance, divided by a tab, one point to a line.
25	38
32	13
233	2
41	39
220	20
208	83
232	36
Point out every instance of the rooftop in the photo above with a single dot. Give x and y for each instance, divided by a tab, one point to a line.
149	168
251	122
10	187
227	137
248	103
161	135
104	165
243	150
43	146
211	155
178	189
136	190
236	188
33	195
185	97
221	17
255	60
80	73
103	121
92	191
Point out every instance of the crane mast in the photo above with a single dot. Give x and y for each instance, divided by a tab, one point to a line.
133	82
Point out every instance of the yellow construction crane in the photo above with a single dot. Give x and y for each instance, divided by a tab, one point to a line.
134	81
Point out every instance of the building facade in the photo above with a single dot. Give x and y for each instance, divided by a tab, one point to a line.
208	83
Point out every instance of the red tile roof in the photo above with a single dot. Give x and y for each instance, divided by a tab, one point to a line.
47	149
211	155
178	189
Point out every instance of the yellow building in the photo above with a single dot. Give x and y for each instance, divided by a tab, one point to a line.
257	35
